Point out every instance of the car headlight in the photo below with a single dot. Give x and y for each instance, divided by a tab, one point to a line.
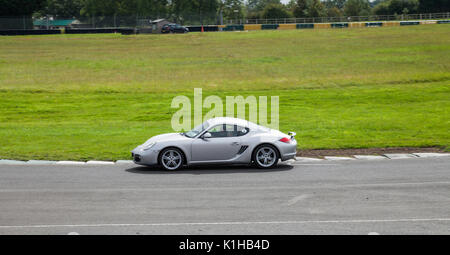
147	146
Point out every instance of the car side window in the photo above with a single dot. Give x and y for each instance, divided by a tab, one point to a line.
240	131
222	130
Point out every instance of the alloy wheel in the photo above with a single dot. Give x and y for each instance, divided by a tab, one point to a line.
171	159
266	156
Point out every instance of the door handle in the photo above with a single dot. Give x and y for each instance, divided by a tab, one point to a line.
235	143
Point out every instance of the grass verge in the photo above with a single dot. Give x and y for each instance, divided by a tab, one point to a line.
83	97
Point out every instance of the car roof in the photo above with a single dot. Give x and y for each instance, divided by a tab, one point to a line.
232	121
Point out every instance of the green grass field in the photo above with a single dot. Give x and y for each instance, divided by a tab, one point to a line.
83	97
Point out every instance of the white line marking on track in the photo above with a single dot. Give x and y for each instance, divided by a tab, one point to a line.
231	223
297	199
312	164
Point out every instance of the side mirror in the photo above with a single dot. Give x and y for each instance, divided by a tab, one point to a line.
206	135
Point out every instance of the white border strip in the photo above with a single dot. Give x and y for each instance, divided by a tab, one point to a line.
230	223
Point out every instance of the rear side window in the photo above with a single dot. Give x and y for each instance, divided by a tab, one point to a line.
240	131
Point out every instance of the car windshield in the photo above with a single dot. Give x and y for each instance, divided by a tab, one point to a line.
197	130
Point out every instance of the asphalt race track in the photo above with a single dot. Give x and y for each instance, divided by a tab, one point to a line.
402	196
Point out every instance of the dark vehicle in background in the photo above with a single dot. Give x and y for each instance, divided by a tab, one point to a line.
173	28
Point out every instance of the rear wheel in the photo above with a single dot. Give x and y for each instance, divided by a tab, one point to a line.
265	156
171	159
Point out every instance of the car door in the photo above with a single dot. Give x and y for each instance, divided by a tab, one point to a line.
223	145
179	29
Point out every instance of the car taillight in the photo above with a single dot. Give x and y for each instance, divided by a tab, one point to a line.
285	140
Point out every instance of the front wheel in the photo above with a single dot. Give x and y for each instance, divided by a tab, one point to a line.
171	159
265	156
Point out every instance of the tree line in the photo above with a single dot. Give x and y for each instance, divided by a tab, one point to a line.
212	10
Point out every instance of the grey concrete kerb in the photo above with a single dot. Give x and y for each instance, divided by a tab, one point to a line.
369	157
400	156
297	159
431	155
41	162
70	163
11	162
96	162
338	158
124	162
305	159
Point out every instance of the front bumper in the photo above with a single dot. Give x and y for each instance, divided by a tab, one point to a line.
147	158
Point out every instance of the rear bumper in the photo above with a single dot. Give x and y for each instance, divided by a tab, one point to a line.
288	156
287	151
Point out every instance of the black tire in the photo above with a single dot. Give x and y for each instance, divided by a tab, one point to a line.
270	157
171	159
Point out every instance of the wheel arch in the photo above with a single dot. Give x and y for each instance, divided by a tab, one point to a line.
277	150
173	147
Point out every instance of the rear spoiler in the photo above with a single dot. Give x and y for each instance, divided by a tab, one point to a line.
292	134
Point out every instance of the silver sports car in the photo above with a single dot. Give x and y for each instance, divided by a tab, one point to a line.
218	141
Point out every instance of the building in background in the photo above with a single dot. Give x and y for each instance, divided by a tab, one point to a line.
158	24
